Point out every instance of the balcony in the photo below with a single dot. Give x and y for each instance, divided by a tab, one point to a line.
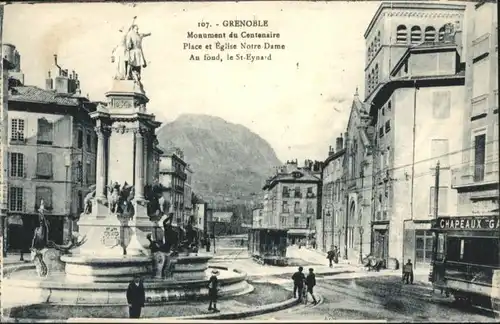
286	194
475	175
310	195
297	194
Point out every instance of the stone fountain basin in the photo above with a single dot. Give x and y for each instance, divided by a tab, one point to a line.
59	289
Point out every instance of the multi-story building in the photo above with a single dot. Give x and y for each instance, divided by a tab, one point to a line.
357	165
414	77
8	62
173	177
188	193
257	213
292	201
200	216
476	180
51	155
332	198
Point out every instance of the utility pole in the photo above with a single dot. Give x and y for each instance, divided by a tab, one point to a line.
436	192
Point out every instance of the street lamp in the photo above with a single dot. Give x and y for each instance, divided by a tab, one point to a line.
361	230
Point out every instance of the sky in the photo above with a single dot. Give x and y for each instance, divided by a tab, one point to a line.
299	102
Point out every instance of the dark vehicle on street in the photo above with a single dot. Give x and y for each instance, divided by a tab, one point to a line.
465	260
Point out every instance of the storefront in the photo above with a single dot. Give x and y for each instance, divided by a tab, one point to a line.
417	243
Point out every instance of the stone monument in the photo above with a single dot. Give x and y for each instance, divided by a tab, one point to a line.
116	219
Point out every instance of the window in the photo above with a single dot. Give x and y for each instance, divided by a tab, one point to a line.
381	132
45	131
89	142
480	83
80	202
285	207
44	166
423	246
296	222
416	34
401	34
441	102
79	171
441	34
479	157
310	192
382	161
296	208
443	201
88	172
440	151
17	130
387	126
80	138
310	207
16	165
44	193
308	222
283	220
375	74
16	199
430	34
389	106
440	253
298	194
286	192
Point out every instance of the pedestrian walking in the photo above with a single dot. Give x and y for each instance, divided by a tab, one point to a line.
136	297
213	288
310	283
298	283
330	255
408	272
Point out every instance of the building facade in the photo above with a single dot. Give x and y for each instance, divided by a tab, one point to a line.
476	180
188	194
291	201
8	63
257	217
414	88
332	200
173	177
51	156
357	195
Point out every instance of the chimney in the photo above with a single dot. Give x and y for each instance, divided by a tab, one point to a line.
62	85
330	151
339	144
49	82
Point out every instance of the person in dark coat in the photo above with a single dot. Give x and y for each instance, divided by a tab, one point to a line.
298	283
408	272
136	296
213	288
330	256
310	283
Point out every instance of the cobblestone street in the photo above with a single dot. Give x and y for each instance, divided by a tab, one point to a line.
378	298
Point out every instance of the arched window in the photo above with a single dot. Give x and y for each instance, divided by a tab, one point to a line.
376	76
441	33
369	52
401	34
416	34
430	34
369	81
378	39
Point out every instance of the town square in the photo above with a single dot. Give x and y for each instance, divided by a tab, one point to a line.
248	170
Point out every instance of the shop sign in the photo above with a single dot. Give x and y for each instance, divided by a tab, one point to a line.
473	223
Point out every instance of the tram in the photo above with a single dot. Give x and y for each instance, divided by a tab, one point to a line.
465	260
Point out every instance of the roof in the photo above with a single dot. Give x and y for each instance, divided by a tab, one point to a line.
37	95
416	5
334	156
423	47
306	175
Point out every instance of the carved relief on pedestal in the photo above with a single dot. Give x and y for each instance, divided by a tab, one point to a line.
111	237
121	103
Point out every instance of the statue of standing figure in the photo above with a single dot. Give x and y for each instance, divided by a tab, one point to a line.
128	54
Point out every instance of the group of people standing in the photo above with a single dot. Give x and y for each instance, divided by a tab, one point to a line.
304	285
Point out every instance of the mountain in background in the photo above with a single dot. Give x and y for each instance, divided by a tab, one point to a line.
230	162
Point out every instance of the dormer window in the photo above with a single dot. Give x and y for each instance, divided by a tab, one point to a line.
297	174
